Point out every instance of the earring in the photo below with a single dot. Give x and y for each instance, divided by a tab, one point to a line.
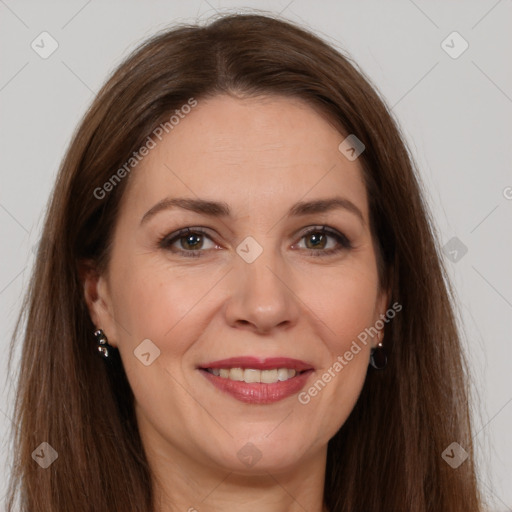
378	357
102	342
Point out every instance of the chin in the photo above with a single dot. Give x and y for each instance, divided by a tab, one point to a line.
261	455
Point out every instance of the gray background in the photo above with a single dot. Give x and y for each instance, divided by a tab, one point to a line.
454	112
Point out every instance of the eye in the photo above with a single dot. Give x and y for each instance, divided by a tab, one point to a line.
317	241
189	242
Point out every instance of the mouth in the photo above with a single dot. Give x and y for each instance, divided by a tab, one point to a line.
252	375
258	381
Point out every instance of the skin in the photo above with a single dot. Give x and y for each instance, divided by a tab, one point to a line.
261	156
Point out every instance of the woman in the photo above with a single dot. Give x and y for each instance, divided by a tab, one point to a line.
242	304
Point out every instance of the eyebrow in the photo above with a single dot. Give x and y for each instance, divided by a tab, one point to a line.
222	209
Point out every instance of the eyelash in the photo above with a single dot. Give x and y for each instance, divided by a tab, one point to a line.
344	243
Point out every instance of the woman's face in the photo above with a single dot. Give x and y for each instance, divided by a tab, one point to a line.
260	288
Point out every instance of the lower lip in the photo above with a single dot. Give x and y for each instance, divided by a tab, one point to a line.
259	393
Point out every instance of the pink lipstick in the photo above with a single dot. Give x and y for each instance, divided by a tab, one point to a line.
258	381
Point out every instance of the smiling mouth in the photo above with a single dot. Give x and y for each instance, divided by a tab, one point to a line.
255	386
257	380
253	375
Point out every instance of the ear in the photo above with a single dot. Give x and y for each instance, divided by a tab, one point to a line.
383	302
98	299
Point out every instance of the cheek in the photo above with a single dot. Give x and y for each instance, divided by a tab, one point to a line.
154	305
151	301
344	302
347	313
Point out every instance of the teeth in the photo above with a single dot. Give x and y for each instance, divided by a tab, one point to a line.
269	376
282	374
251	375
233	374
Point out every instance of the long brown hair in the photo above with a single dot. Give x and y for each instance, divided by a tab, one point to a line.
387	457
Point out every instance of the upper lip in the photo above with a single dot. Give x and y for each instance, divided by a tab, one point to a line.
259	363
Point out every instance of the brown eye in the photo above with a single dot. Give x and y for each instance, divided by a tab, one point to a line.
188	241
317	241
191	241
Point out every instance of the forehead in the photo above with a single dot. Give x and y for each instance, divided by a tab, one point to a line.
247	150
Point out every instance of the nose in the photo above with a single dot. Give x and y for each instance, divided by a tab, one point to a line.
262	297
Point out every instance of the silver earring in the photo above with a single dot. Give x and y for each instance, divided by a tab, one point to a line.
103	346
